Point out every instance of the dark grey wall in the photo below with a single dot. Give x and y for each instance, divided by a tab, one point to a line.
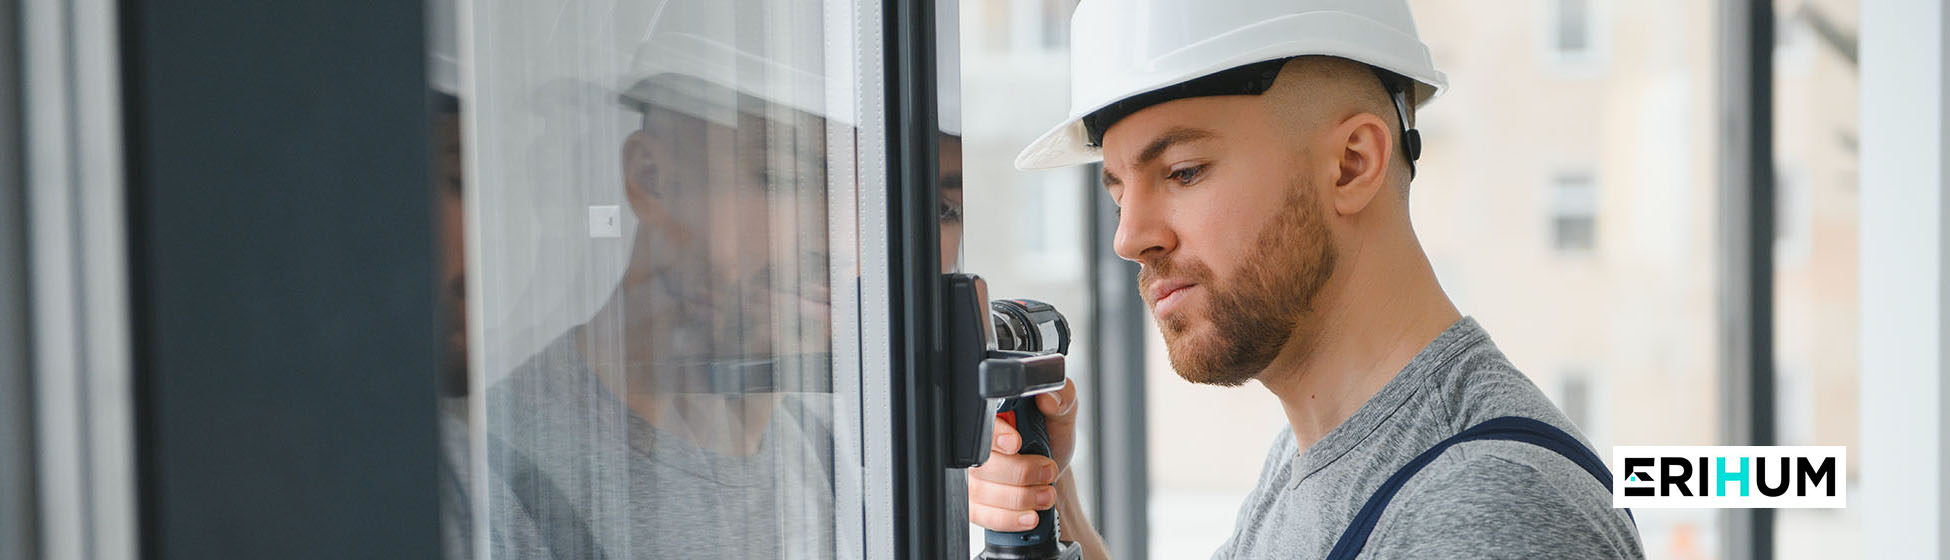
282	278
17	510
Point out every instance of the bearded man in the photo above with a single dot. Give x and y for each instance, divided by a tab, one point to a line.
1260	154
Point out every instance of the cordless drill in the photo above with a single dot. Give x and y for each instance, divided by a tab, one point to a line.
1036	327
1000	355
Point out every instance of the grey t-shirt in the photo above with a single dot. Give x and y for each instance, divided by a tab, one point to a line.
574	473
1482	499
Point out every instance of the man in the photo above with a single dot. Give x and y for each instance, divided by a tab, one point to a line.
1260	154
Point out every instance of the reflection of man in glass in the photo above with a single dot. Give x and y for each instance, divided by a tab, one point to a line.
455	521
453	268
691	416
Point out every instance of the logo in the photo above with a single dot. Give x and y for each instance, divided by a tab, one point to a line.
1782	476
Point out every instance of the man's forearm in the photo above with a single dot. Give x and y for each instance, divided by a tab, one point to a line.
1074	525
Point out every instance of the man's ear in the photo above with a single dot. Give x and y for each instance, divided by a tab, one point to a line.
1364	148
647	190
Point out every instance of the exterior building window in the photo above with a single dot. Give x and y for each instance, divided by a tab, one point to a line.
1056	23
1573	35
1025	25
1572	28
1574	213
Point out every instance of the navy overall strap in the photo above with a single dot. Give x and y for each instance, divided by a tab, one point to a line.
1509	428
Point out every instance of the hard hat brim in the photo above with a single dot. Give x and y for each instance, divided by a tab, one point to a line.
1330	33
1063	146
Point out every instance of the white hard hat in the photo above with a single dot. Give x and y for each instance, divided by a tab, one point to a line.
1120	50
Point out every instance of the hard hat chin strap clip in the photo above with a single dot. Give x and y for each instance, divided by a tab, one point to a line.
1411	138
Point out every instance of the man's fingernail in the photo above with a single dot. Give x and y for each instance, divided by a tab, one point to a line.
1028	519
1006	441
1049	474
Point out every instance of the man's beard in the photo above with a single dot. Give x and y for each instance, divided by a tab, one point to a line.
1256	312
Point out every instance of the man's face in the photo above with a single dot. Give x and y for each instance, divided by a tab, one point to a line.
732	236
1217	206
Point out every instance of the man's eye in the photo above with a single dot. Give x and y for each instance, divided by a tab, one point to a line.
950	213
1186	175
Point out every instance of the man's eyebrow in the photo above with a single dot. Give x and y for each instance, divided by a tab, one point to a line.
951	181
1176	135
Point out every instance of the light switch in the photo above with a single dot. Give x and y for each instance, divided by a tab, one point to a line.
605	221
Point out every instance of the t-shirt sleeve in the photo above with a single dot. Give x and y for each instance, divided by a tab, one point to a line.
1486	506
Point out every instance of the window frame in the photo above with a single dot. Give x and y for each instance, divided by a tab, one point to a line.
1560	210
1585	62
1746	246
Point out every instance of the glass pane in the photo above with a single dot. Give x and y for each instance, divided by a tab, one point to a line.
661	255
1029	240
1815	258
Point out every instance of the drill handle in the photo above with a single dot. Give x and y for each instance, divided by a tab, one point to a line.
1039	542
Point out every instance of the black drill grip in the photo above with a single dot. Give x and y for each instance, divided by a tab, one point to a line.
1039	542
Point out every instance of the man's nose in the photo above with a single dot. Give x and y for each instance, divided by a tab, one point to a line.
1143	227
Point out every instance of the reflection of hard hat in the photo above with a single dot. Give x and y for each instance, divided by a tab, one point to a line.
947	69
543	81
1121	50
543	131
725	49
443	48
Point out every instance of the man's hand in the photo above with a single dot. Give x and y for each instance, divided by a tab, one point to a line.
1005	492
